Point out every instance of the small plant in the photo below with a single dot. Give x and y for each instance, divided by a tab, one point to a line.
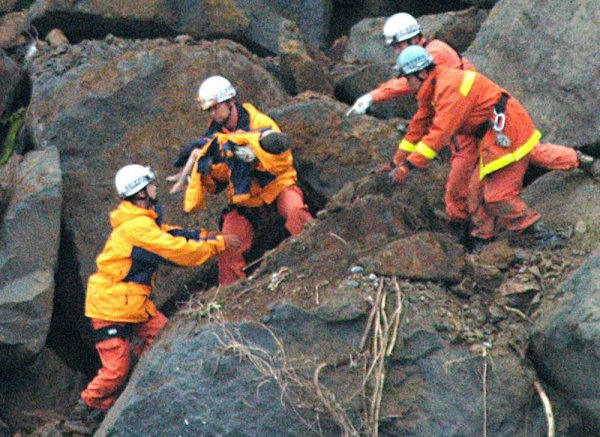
15	122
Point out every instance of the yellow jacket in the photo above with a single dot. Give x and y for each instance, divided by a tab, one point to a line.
272	172
120	289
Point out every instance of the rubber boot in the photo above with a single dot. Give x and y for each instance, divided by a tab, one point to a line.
477	245
544	237
589	164
83	419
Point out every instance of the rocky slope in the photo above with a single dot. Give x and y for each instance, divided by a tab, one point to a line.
377	319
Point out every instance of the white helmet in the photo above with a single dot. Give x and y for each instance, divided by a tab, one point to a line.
214	90
132	179
400	27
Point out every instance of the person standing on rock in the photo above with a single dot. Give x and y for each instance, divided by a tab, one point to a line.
402	30
454	101
244	151
118	293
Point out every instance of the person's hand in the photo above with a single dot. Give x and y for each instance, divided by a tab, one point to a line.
361	105
400	157
232	242
384	167
400	174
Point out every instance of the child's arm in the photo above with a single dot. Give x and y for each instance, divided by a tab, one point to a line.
182	176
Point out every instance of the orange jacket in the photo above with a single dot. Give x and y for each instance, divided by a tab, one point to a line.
278	167
442	53
120	289
455	101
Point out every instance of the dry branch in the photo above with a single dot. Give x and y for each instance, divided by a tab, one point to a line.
547	407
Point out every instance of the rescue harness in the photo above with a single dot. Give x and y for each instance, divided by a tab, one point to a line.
497	124
112	331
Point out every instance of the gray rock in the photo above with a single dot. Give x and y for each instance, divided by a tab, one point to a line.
48	384
7	6
423	255
544	53
199	381
254	23
366	43
330	149
564	346
346	304
30	231
10	76
312	16
455	28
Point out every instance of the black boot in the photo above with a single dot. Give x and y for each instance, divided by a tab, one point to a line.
589	164
477	245
545	238
83	419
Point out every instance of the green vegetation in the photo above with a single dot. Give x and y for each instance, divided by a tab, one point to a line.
23	4
14	122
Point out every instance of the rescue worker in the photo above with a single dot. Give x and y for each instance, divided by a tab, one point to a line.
118	293
455	101
244	151
402	30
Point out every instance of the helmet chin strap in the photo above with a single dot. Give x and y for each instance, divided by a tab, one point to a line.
232	111
143	197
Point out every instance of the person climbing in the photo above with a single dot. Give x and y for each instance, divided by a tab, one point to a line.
402	30
454	101
218	96
247	153
118	293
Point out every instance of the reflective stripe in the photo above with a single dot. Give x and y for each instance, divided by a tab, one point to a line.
509	158
425	150
406	145
467	82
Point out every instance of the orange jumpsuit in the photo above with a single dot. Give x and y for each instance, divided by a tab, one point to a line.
455	101
278	187
546	155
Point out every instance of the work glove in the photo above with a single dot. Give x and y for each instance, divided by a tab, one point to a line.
384	167
244	153
400	157
400	174
361	105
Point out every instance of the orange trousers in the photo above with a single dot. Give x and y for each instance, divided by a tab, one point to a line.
553	157
496	200
290	206
464	160
115	355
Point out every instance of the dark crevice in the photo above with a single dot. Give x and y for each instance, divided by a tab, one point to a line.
208	279
21	99
70	333
78	26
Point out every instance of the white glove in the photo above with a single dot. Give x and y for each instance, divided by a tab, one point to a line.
244	153
361	105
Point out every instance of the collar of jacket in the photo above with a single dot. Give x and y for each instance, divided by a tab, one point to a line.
127	211
425	93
